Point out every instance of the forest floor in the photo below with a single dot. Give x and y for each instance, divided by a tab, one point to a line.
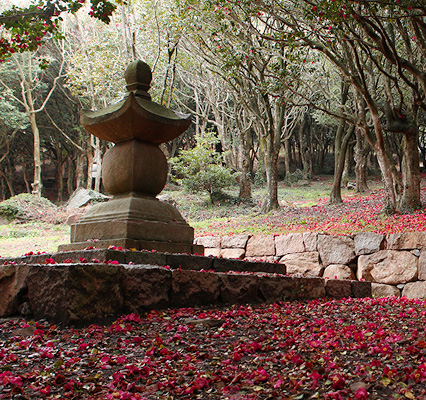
321	349
303	208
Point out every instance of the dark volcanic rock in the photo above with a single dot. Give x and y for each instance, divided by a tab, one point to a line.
309	288
191	288
146	287
277	288
338	288
75	293
239	288
13	288
361	289
188	261
226	264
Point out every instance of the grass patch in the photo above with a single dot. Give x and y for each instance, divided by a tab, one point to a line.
197	207
18	239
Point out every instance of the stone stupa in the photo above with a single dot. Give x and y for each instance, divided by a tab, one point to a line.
134	171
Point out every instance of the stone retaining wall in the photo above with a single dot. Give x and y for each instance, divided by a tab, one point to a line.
395	264
77	288
92	285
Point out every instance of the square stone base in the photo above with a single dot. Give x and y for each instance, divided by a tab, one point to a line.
133	221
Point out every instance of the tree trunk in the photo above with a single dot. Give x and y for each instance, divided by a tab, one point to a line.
245	185
28	85
347	170
244	159
341	141
405	194
410	199
98	160
89	156
309	152
8	183
422	148
308	168
286	145
391	178
37	184
59	173
272	145
305	156
341	148
361	157
392	183
271	200
79	171
303	164
321	162
2	189
244	181
125	29
70	178
408	152
24	175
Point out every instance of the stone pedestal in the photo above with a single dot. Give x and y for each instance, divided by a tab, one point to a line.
133	221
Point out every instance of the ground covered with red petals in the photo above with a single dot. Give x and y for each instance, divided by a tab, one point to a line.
357	213
321	349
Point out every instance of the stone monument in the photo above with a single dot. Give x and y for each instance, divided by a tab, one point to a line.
134	171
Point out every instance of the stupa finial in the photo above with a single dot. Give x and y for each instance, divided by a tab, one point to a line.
138	77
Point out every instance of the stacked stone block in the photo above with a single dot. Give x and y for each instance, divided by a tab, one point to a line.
395	264
96	285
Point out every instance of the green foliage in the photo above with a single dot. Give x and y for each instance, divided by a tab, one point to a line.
11	117
19	231
26	27
202	167
338	10
294	177
96	61
25	206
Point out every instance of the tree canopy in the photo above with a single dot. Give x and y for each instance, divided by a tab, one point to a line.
25	28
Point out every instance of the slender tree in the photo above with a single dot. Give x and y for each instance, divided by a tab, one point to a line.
33	97
11	122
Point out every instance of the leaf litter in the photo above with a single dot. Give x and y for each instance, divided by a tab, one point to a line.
319	349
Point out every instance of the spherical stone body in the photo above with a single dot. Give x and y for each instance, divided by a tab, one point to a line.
134	166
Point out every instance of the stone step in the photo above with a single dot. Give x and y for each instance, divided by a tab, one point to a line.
93	286
174	261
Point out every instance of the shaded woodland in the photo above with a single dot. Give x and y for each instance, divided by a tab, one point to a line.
290	90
